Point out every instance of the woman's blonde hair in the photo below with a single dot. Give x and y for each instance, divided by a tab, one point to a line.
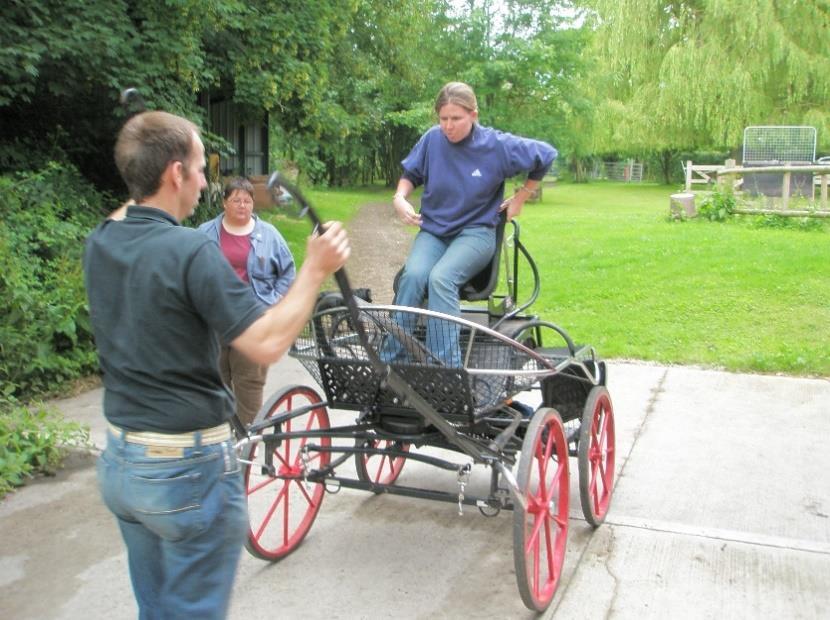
458	93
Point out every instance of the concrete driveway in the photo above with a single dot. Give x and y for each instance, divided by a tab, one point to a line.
721	510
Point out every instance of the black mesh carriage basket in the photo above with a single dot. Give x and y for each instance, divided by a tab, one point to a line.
462	369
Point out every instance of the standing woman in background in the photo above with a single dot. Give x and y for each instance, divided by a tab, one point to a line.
260	256
463	167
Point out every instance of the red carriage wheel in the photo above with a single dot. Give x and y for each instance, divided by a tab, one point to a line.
540	530
380	468
596	456
281	507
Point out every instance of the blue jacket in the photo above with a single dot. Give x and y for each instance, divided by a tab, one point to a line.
271	267
464	182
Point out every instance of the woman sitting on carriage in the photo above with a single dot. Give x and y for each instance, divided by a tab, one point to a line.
463	167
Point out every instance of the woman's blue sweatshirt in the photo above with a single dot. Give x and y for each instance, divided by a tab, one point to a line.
464	182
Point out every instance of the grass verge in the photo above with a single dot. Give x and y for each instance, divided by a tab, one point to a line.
618	274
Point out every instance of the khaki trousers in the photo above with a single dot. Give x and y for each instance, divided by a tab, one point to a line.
246	379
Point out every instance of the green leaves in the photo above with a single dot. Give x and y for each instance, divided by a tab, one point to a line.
34	440
348	84
692	75
45	337
718	206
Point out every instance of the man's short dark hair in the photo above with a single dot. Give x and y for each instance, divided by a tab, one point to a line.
147	143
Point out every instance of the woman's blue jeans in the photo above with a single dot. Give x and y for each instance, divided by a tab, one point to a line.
183	519
439	266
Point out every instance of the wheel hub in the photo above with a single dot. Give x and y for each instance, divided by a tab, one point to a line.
290	471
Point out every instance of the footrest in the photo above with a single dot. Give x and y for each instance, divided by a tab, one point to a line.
554	353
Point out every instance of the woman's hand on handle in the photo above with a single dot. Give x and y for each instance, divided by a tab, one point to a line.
405	210
515	203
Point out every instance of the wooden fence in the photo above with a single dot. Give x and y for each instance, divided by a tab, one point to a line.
701	174
820	172
732	173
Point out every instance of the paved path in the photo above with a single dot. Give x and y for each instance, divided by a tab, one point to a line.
721	510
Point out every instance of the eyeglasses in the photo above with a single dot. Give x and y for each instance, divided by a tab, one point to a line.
241	201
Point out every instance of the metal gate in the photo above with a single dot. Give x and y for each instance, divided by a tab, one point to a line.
774	145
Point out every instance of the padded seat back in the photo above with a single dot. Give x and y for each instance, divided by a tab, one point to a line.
482	284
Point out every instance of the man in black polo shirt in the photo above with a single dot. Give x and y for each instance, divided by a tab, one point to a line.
161	296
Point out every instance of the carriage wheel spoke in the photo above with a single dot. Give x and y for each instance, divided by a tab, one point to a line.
281	516
596	455
261	485
301	486
381	467
270	513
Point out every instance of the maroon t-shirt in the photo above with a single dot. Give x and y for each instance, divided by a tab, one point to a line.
236	249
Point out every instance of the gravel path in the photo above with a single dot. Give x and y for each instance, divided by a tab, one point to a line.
380	243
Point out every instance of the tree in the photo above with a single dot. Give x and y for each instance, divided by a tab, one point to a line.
524	63
63	63
365	125
349	84
691	74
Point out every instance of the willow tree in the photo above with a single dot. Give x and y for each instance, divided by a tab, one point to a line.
691	74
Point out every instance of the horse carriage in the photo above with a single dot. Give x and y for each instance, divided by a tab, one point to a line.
454	413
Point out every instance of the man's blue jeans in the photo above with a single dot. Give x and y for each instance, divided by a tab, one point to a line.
184	521
439	266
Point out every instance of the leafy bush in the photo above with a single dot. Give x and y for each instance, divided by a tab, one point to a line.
34	440
795	223
717	207
45	337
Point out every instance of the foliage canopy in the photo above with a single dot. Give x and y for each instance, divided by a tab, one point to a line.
348	84
691	74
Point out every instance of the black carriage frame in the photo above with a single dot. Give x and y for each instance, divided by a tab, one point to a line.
392	410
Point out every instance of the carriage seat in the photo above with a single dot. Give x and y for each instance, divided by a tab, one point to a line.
481	285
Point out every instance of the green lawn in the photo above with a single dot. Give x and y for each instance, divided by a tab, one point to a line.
617	274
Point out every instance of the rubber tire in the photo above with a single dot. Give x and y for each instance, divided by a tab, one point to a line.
280	509
544	445
371	467
596	455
